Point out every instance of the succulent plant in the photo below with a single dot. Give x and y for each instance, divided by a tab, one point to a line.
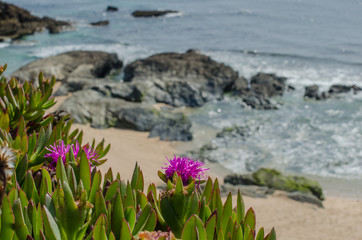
51	188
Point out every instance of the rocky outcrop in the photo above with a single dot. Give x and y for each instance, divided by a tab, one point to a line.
100	23
277	181
100	111
112	9
188	79
16	22
263	87
102	102
335	91
74	67
153	13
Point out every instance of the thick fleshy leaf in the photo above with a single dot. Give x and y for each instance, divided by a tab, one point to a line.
194	229
7	219
250	218
99	231
85	174
260	235
51	229
125	231
240	208
20	228
117	215
210	226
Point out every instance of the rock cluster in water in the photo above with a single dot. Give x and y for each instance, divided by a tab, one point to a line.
312	92
16	22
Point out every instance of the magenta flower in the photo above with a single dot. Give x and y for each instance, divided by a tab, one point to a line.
91	154
61	151
186	168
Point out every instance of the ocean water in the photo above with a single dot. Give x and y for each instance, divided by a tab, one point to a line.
307	41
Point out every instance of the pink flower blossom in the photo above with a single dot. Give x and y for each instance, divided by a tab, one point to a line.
186	168
61	151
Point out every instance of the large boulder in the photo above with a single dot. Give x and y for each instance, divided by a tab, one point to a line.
73	65
16	22
277	181
92	107
268	85
188	79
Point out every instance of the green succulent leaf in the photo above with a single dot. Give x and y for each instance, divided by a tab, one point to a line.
194	229
7	219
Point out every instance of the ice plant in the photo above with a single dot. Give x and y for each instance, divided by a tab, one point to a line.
92	155
186	168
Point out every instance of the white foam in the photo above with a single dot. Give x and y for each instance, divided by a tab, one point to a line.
4	44
176	14
125	52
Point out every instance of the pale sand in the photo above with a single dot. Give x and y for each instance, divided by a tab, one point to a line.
339	219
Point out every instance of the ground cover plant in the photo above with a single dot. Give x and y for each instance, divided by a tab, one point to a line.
51	187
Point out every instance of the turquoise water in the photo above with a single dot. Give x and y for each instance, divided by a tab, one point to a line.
309	42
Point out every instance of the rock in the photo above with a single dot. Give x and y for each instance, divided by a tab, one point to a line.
154	13
112	9
268	85
237	179
76	64
304	197
100	23
188	79
276	180
256	101
16	22
234	131
312	92
246	190
172	127
102	111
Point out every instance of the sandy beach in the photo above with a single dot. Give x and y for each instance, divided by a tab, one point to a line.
340	218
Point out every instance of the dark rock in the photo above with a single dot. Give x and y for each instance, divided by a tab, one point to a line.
16	22
338	89
312	92
77	64
188	79
151	13
112	9
234	131
256	101
240	85
237	179
100	23
276	180
172	127
303	197
246	190
268	85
